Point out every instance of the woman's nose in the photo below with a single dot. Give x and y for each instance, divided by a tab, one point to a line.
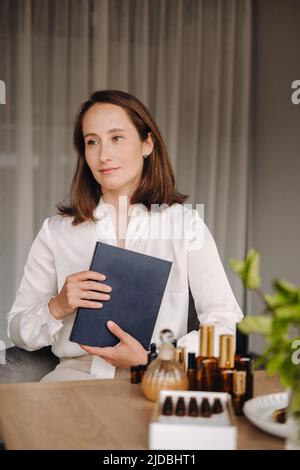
104	153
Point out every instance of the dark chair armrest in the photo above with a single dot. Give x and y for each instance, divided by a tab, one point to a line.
25	366
193	322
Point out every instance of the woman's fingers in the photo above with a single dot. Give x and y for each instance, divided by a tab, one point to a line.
90	349
85	275
92	285
126	353
106	353
83	289
89	304
91	295
117	331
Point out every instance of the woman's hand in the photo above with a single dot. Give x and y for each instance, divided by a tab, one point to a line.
80	290
128	352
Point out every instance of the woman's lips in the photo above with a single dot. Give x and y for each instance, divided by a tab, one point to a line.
108	170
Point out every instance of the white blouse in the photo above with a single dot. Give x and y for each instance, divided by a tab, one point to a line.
177	234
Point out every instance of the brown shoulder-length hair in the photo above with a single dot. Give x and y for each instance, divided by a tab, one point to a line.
157	184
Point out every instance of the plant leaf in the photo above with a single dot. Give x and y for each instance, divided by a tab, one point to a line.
275	362
283	314
289	312
276	300
288	372
248	270
286	288
260	324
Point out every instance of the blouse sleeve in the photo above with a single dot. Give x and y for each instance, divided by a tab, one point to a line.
30	324
214	300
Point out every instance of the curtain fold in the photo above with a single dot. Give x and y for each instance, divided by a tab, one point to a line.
189	61
23	136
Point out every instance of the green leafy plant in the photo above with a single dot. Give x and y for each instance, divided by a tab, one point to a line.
280	316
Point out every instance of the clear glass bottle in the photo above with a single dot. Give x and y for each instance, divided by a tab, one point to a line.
164	373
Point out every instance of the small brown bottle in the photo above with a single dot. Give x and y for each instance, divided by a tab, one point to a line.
152	353
180	407
135	377
191	371
206	363
180	356
205	408
142	369
217	406
226	364
245	363
167	408
239	391
193	409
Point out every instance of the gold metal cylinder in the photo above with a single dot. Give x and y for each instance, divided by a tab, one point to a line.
206	340
239	382
226	360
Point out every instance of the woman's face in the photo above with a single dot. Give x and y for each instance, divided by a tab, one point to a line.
113	148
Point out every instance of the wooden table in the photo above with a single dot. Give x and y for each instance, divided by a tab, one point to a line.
97	414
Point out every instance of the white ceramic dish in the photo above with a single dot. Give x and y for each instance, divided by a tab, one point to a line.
259	411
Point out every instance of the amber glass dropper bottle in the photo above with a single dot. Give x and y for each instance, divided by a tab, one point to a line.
239	391
152	353
244	362
206	363
226	364
180	356
191	371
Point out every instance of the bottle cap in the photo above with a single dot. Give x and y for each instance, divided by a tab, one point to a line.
206	340
239	382
226	359
191	360
166	336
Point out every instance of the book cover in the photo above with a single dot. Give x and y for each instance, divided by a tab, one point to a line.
138	283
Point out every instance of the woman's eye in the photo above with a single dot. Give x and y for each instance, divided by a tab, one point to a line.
92	143
116	137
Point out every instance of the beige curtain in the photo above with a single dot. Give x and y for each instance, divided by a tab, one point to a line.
187	60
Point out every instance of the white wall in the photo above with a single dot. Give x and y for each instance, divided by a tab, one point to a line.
276	144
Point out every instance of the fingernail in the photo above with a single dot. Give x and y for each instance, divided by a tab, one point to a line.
103	277
110	323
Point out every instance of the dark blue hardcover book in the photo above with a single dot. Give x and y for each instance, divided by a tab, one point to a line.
138	283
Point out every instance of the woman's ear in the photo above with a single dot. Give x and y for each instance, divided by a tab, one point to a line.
148	144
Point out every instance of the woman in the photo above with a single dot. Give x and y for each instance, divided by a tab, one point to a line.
121	157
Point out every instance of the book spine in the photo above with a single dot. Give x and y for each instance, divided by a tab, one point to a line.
76	321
